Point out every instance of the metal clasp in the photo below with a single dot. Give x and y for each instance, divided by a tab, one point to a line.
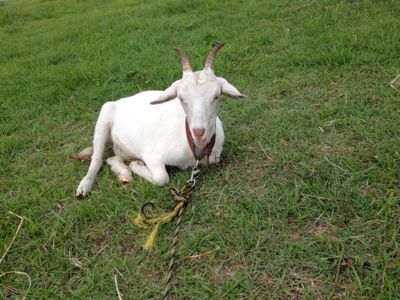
196	170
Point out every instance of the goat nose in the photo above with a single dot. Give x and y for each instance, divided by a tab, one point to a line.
199	132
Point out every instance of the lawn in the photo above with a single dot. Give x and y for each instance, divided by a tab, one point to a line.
305	203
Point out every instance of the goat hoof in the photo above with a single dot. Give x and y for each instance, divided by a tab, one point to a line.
124	180
80	195
84	188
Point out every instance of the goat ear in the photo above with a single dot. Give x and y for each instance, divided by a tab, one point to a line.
229	90
168	94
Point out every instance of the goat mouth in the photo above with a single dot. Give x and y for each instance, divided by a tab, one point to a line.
200	142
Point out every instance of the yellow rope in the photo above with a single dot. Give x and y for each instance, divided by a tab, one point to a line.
154	222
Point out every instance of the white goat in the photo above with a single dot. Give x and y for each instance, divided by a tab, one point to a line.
152	137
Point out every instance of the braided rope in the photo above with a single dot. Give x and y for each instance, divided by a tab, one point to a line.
171	273
179	196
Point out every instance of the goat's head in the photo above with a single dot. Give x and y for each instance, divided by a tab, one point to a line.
198	93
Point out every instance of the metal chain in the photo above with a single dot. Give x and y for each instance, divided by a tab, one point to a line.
179	196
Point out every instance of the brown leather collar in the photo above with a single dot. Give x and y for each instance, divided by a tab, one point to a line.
207	149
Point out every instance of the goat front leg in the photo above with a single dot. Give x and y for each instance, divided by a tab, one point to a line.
101	138
87	182
120	169
153	172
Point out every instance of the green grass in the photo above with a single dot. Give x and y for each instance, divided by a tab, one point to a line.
306	201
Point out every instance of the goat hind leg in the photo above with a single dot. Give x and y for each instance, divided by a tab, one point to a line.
83	155
120	169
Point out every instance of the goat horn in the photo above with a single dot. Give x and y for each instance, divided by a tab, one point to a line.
211	56
185	59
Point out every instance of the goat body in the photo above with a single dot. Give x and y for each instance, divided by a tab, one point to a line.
140	131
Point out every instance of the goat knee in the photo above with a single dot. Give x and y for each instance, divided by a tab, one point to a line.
155	173
161	179
159	174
